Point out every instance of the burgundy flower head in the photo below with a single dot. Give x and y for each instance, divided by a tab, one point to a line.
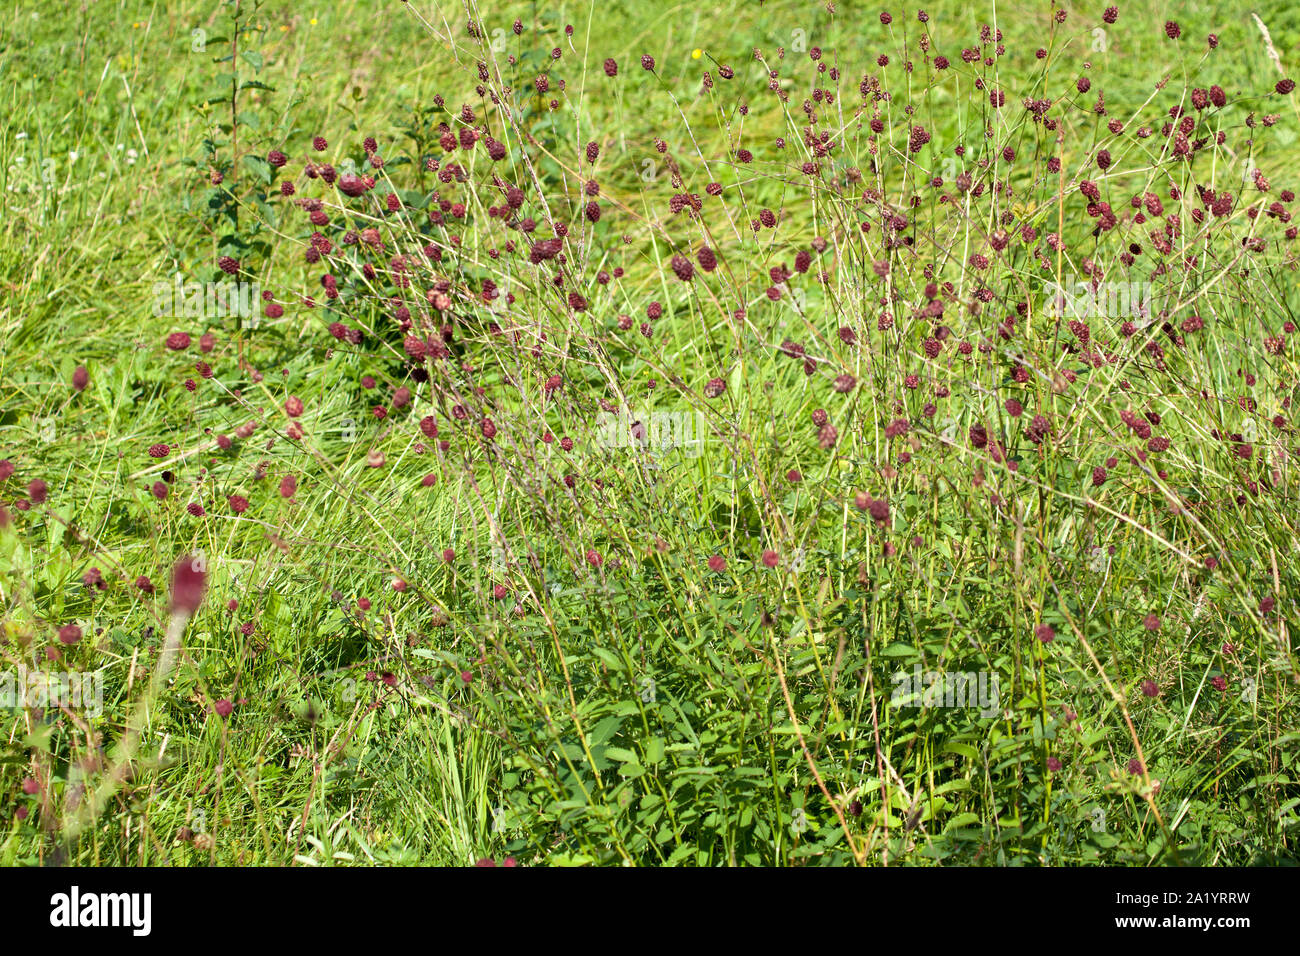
189	579
350	184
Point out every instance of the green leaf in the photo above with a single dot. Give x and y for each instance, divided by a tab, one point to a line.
961	820
604	731
609	660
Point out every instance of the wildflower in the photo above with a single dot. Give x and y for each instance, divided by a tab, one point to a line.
189	580
351	184
879	509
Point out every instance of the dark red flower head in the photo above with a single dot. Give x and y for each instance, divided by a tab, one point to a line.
189	579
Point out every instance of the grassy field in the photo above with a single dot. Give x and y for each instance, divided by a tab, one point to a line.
823	436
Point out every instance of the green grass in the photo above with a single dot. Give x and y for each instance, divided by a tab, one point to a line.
646	710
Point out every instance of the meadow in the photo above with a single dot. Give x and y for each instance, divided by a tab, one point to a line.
715	434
